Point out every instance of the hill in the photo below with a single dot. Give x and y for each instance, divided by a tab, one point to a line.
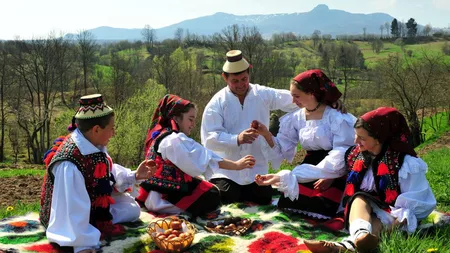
328	21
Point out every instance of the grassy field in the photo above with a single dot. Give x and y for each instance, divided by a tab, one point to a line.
438	177
371	58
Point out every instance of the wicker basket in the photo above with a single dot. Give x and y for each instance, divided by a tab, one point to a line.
177	244
237	230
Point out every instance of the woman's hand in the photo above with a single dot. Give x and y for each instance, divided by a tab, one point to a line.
339	105
268	179
395	225
323	184
246	162
260	128
145	170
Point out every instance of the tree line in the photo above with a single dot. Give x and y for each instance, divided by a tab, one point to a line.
42	79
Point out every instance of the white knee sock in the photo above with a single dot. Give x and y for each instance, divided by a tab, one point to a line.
359	227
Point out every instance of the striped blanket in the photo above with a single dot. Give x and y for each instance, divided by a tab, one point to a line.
271	231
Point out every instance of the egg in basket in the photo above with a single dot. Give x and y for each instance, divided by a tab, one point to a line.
171	234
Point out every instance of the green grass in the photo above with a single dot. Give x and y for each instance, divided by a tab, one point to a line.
416	242
21	172
439	177
19	209
434	127
371	58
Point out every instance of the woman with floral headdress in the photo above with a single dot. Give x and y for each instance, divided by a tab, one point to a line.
175	186
315	187
386	184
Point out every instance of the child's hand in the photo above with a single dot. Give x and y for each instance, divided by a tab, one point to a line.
246	162
145	170
323	184
268	179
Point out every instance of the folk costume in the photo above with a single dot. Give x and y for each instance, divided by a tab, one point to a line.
394	181
325	141
84	194
175	186
224	118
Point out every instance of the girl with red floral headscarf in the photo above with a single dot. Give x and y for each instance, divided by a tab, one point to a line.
175	186
314	187
386	184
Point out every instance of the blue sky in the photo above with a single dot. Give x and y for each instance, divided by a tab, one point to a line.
37	18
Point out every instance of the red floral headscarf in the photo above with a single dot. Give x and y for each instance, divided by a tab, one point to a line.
390	127
316	82
168	106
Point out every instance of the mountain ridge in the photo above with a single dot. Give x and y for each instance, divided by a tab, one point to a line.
322	18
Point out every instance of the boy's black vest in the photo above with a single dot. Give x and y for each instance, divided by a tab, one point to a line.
95	169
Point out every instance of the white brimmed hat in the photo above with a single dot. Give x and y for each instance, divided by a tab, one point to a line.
92	106
235	62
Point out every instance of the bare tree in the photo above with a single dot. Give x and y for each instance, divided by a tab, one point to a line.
149	36
231	37
5	81
179	32
253	47
408	82
381	30
87	47
364	33
387	27
427	30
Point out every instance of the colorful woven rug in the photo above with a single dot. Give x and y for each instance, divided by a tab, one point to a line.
271	231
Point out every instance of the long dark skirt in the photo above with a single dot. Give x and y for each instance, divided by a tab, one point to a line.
325	203
201	196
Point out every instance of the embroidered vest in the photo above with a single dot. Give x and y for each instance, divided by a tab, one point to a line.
95	169
168	177
385	172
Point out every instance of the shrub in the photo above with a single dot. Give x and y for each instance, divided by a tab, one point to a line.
133	118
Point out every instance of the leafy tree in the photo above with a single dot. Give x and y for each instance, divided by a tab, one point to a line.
395	29
446	48
377	45
349	58
133	118
411	25
315	37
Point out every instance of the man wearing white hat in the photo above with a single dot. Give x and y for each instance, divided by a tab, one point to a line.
226	129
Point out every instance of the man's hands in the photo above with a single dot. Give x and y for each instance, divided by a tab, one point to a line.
268	179
247	136
257	128
145	170
245	162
